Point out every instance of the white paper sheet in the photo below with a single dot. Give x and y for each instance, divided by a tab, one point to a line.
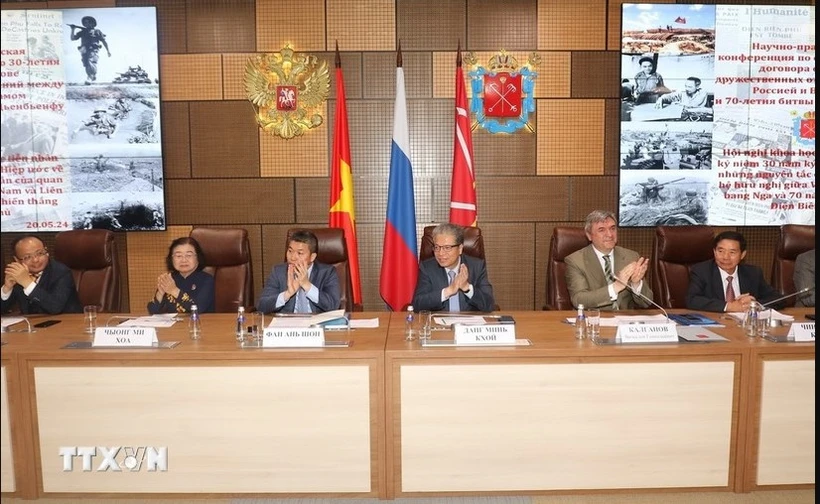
370	323
449	320
161	320
626	320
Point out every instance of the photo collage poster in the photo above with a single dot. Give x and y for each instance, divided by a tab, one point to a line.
717	115
81	138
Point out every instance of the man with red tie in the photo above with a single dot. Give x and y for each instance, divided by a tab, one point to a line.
723	284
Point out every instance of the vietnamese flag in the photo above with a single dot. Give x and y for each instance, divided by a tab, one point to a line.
342	210
462	186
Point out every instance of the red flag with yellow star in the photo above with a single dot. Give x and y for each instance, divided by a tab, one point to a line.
342	209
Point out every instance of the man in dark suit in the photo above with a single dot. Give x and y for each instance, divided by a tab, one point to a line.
451	280
301	285
592	280
35	283
723	284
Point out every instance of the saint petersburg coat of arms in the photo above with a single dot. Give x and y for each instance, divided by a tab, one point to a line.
287	90
503	92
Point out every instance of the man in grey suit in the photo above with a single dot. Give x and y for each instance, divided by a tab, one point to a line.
301	285
452	281
804	277
595	274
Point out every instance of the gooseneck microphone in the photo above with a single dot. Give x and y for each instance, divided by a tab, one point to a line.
787	296
644	297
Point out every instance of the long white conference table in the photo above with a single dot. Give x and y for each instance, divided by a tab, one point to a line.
387	418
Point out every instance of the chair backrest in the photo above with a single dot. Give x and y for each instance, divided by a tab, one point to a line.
794	240
91	254
565	240
333	250
473	243
675	249
228	258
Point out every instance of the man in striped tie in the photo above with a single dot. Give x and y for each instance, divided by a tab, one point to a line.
452	281
596	273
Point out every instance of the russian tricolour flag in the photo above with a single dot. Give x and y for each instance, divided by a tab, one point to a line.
400	259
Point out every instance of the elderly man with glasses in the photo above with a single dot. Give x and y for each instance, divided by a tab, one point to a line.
35	283
452	281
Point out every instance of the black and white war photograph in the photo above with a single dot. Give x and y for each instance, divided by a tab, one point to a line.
667	62
666	146
112	102
661	198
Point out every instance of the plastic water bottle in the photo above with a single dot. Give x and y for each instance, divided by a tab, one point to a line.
240	324
194	324
580	323
410	324
750	320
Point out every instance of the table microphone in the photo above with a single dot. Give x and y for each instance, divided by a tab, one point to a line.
787	296
642	296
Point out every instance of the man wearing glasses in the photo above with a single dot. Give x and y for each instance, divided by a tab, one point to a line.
35	283
452	281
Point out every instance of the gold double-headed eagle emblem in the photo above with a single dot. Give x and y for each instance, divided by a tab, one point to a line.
287	91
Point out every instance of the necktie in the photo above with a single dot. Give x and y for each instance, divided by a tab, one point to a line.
730	291
610	278
608	269
454	299
302	303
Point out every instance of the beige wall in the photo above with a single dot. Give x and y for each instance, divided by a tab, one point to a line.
221	170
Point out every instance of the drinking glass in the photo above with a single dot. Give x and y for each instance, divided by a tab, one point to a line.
90	317
593	324
425	321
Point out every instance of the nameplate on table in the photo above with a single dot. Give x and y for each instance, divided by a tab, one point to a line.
647	333
280	337
125	337
487	334
801	331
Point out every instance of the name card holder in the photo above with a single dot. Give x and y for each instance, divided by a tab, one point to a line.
125	337
294	337
801	332
647	333
487	334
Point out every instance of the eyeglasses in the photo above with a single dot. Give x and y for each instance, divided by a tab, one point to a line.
187	255
443	248
30	257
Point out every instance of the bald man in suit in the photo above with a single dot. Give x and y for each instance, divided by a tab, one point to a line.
595	274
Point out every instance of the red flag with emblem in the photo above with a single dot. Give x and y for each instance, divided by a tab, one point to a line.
342	210
462	190
681	20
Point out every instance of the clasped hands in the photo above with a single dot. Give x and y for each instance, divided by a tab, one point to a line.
741	303
460	282
633	273
166	285
297	278
16	273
